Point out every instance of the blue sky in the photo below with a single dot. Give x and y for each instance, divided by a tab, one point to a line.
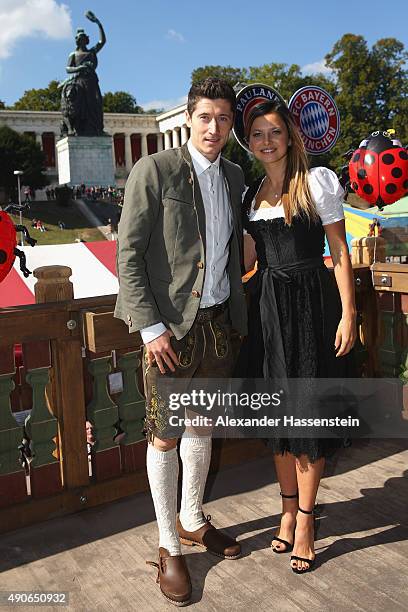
153	47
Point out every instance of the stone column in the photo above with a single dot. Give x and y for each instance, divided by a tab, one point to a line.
159	142
57	137
167	140
128	153
184	134
38	138
144	144
176	138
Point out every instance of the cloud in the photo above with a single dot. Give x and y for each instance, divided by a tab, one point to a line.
173	35
164	104
317	67
23	18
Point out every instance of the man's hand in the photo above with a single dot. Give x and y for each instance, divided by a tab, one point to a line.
161	352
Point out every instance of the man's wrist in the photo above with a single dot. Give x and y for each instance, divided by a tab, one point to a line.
152	332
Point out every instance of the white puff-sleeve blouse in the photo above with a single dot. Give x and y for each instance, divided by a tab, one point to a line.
327	194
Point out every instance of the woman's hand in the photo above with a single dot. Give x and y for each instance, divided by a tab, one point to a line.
346	335
91	16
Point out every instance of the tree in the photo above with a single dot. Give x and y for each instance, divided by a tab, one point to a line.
2	105
286	79
230	74
46	99
392	86
235	153
120	102
20	152
371	89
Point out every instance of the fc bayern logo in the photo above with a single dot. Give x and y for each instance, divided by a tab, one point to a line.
317	117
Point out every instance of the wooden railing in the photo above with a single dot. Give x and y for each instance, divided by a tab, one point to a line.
80	364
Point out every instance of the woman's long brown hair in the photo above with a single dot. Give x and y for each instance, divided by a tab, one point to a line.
296	195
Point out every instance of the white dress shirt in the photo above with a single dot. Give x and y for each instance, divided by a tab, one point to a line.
218	229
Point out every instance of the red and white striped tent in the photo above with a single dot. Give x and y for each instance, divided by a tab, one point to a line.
92	263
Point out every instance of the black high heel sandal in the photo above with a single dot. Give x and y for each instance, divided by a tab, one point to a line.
289	546
310	562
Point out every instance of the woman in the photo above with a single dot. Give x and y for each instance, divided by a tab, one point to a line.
298	325
81	95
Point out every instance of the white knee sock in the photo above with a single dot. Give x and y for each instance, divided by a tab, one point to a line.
195	453
162	471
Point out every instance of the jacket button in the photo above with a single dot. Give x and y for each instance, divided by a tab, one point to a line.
200	265
195	293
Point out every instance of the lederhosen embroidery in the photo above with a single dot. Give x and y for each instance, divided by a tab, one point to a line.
186	355
220	339
157	414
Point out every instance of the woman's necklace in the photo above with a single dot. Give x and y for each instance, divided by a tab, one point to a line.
277	195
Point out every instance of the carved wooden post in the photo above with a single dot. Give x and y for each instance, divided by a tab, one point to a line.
131	411
41	428
367	250
53	284
103	414
12	476
66	390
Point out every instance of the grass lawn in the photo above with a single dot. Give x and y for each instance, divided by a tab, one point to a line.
77	226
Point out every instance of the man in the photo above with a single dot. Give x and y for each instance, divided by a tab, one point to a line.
179	265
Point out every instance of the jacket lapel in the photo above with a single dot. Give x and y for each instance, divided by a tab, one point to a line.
192	178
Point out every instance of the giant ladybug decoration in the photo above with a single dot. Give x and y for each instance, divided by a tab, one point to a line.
8	245
378	170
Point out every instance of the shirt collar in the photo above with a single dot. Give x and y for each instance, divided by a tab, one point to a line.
200	162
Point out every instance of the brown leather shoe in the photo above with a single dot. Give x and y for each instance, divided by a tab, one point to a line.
211	539
173	578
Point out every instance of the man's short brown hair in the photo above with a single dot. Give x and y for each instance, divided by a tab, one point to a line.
212	88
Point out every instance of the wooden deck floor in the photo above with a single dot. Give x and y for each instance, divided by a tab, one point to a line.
98	556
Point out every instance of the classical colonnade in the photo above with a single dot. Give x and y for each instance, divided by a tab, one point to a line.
133	136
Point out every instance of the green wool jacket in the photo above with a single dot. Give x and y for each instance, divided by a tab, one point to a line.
161	244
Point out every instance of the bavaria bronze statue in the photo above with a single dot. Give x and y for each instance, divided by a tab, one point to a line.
81	99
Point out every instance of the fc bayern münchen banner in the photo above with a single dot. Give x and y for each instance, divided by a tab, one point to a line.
317	117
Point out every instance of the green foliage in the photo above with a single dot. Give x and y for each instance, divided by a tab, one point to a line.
20	152
46	99
286	79
230	74
49	99
120	102
2	105
235	153
371	89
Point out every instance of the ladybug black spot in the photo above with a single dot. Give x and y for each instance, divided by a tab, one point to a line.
369	159
403	154
405	184
391	188
354	186
3	256
361	173
396	172
388	159
356	157
368	189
